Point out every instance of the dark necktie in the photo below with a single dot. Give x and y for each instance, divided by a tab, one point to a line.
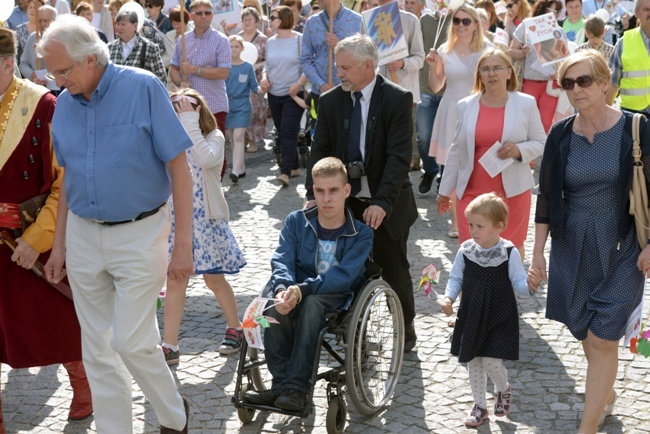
354	143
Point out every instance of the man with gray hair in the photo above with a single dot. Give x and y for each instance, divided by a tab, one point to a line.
122	162
29	62
366	122
129	49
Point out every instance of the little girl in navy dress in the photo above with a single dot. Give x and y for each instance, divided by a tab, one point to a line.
215	249
488	270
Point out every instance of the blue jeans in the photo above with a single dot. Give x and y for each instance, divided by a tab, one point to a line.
426	113
291	346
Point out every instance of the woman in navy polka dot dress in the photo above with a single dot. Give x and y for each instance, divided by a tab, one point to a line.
596	267
488	269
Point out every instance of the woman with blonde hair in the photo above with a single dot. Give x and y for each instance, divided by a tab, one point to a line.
454	64
596	270
495	112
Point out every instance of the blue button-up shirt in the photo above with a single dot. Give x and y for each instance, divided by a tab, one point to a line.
115	147
314	56
17	18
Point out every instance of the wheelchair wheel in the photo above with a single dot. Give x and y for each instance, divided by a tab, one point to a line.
336	415
245	415
375	337
259	375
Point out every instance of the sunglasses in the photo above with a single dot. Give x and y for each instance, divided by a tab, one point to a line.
511	5
202	13
148	6
466	21
582	81
273	17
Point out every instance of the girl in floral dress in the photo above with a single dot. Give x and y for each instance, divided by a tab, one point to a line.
215	249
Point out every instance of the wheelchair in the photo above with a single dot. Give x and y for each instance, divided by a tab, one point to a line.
364	344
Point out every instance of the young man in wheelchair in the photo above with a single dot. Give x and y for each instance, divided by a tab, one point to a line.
318	263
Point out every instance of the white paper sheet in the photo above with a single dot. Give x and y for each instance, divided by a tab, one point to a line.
634	321
492	164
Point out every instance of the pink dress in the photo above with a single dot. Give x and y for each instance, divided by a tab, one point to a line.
489	129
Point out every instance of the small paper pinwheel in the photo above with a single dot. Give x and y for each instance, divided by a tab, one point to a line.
641	345
430	277
263	321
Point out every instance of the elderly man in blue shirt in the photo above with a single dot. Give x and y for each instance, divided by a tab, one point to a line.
123	149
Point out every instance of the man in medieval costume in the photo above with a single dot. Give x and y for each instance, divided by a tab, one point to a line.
38	324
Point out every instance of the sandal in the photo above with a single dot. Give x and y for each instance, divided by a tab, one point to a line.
477	416
609	409
453	233
502	402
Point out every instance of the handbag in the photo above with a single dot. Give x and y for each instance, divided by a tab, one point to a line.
638	191
30	209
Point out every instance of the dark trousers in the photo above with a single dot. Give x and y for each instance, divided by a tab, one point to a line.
286	117
221	124
391	256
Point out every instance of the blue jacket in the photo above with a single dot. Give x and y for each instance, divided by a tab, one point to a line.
294	261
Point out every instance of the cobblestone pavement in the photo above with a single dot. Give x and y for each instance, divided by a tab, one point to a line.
433	395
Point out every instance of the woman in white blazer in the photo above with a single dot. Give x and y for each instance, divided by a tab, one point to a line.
494	113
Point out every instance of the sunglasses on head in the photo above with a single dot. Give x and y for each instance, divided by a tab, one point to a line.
466	21
582	81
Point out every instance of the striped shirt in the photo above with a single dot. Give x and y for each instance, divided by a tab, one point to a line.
210	50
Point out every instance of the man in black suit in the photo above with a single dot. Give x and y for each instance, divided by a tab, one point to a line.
370	110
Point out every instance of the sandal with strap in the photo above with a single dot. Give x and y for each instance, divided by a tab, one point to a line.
477	416
502	402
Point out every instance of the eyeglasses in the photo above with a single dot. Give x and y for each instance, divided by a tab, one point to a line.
466	21
63	75
511	5
582	81
273	17
486	70
202	13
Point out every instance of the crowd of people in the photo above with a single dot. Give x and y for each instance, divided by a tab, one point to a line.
472	92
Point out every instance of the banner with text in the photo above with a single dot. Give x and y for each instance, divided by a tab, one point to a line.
547	38
384	27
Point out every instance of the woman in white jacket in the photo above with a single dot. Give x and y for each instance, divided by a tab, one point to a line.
494	113
215	249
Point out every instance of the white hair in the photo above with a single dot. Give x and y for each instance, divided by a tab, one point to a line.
49	9
78	37
361	47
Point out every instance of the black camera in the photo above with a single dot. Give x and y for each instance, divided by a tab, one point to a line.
355	169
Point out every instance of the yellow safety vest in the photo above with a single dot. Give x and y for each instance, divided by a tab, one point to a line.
635	77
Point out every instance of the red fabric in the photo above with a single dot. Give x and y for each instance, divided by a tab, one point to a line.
221	124
9	216
38	325
489	129
545	102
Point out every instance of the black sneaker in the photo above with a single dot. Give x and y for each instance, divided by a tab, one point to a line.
425	184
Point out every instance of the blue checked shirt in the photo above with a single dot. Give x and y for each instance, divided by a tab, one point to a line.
314	55
115	147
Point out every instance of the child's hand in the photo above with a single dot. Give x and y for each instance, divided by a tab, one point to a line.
184	105
534	279
447	307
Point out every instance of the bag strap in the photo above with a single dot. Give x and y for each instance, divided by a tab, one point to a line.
636	139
